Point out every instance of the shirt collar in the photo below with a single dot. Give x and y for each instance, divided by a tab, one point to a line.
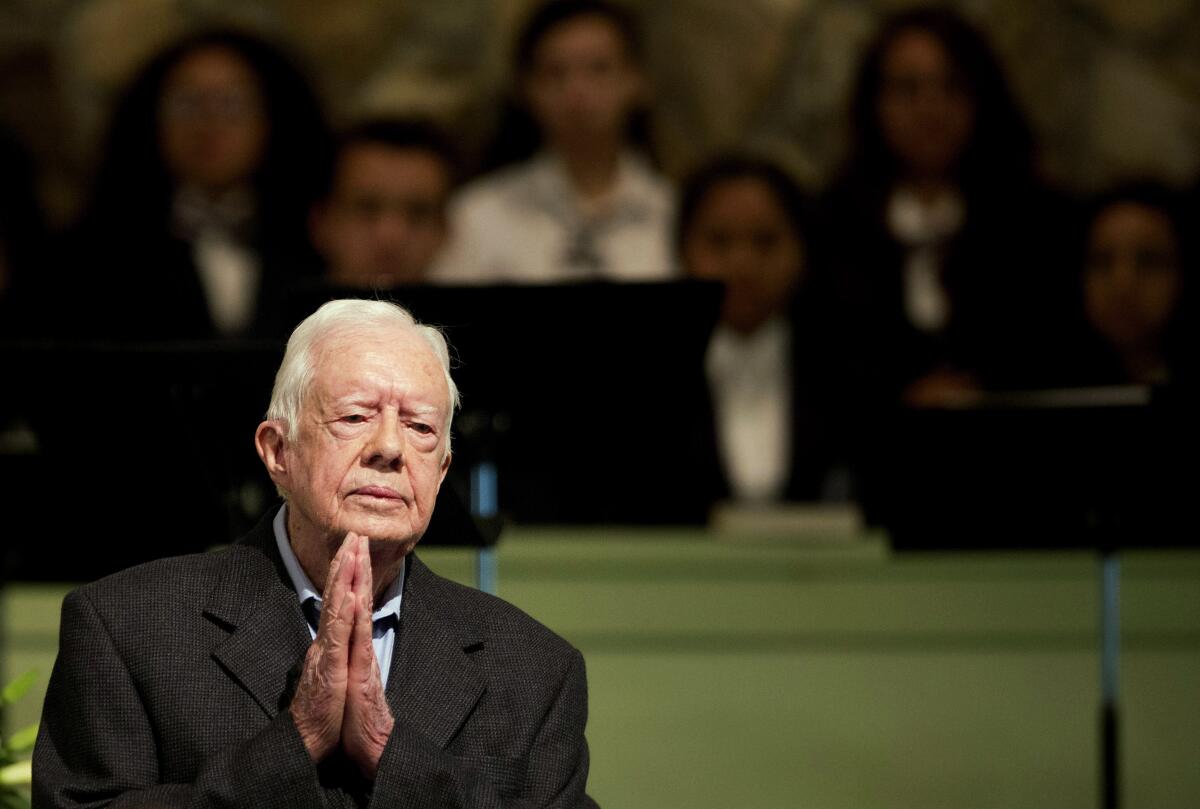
633	196
389	602
914	222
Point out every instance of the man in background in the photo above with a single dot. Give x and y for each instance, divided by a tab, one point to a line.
383	220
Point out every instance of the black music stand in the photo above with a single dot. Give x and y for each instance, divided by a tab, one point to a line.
159	433
582	403
1087	468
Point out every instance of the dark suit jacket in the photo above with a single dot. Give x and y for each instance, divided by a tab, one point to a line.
173	678
1003	274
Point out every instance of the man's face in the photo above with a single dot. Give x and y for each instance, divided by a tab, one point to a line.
385	219
370	452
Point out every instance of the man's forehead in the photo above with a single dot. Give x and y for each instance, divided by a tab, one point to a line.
364	162
351	356
392	151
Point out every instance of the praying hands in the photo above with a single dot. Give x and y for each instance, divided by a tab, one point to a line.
339	700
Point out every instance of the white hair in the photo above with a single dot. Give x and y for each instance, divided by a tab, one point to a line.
295	374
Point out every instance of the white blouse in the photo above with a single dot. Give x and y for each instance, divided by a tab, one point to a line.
526	224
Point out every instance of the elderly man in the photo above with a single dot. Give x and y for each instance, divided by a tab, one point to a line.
317	662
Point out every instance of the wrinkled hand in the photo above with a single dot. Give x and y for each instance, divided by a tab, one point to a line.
367	721
339	700
319	704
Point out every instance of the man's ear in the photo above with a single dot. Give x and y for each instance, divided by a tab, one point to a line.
445	468
270	440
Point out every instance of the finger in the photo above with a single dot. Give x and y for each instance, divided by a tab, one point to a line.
336	609
341	572
336	639
359	573
344	555
338	603
364	550
363	574
362	651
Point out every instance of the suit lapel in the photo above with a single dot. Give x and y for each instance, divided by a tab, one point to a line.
268	635
433	686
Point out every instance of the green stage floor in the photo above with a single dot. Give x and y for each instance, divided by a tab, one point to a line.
778	674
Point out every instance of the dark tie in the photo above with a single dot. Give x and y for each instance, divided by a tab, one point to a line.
312	612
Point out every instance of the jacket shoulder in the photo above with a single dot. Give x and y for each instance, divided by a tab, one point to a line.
480	617
168	582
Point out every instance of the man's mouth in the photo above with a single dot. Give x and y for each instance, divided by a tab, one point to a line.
381	492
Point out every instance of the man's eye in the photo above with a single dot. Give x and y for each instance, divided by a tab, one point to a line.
354	419
367	207
423	429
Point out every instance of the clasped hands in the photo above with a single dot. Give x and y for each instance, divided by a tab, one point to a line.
339	700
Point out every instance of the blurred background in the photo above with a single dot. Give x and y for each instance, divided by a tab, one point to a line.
817	355
1111	86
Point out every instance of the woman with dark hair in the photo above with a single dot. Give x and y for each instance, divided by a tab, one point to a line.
198	210
1133	288
582	202
939	242
743	221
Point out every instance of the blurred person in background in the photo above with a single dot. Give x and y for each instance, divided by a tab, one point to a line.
742	221
583	202
199	206
1136	263
942	248
383	219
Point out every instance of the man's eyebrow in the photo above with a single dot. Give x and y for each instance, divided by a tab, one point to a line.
353	400
422	410
366	400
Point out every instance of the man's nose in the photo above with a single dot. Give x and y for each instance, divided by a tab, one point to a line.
1123	277
393	228
385	449
743	259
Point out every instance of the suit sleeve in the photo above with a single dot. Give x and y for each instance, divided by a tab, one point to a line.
96	746
414	772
